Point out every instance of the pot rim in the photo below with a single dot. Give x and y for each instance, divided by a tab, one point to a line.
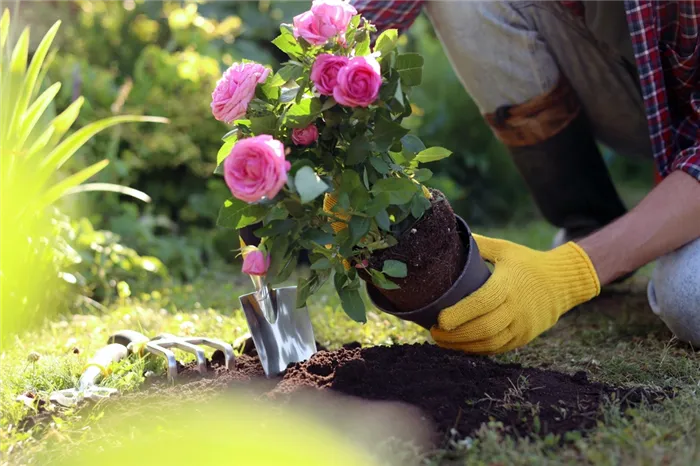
474	274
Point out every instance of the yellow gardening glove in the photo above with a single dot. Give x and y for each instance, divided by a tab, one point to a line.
329	201
526	294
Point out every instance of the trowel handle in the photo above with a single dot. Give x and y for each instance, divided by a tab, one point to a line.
262	295
100	362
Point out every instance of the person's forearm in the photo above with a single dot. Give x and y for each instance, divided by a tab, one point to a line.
666	219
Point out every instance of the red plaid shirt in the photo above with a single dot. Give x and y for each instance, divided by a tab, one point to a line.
666	42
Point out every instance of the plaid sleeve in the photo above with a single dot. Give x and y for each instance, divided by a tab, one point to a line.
688	160
389	14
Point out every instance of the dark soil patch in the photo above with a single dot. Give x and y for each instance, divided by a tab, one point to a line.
433	253
456	392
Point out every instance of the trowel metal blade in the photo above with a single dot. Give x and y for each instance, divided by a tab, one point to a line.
289	339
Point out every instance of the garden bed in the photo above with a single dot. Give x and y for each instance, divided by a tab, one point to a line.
456	392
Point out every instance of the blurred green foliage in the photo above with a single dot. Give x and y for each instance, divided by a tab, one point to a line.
100	266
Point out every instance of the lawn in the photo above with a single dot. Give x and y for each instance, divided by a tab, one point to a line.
615	338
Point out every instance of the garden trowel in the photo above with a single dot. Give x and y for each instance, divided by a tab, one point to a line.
282	333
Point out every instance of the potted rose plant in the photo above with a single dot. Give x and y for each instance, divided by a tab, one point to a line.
318	158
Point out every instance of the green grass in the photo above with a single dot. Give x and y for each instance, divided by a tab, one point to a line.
615	338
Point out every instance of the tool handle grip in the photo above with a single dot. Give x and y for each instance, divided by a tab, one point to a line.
107	355
99	364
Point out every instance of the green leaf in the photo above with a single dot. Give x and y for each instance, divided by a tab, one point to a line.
353	305
321	264
288	44
65	150
386	132
276	213
308	184
359	198
386	42
319	237
328	104
412	144
30	82
383	221
394	268
419	204
380	202
400	190
233	134
289	72
287	268
108	187
32	115
379	280
5	28
304	286
266	124
300	115
238	214
359	227
362	47
275	227
432	154
60	188
358	150
278	256
225	150
288	94
410	68
365	178
379	164
343	202
422	174
349	180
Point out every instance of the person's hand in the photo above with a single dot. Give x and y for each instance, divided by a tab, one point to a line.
526	294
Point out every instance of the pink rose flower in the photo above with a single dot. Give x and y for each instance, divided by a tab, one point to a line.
256	168
235	90
324	72
358	82
305	136
256	263
326	19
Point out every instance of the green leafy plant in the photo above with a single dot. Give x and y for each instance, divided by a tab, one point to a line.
34	146
354	180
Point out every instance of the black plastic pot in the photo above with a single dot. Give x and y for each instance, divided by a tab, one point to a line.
473	276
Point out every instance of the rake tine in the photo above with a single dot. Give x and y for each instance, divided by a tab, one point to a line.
216	344
190	348
155	348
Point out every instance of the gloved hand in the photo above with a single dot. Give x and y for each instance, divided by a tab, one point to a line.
329	201
526	294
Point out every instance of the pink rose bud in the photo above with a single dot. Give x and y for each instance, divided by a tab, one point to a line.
305	136
235	90
358	82
256	168
362	265
324	72
326	19
256	263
